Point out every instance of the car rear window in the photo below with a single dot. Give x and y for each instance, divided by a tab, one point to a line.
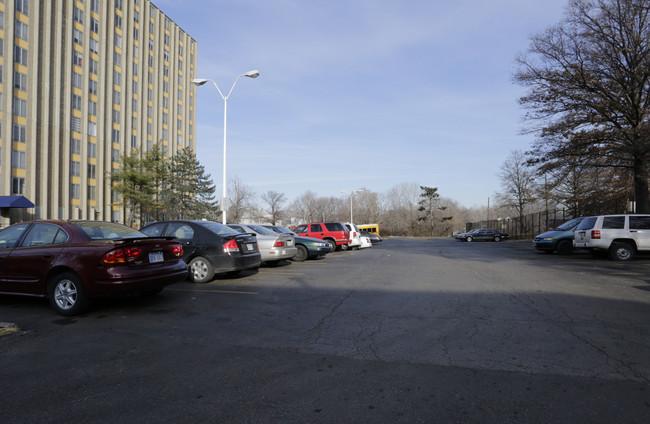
614	222
100	230
217	228
334	226
640	222
261	230
587	223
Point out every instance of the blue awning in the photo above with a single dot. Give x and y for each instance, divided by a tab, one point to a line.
15	202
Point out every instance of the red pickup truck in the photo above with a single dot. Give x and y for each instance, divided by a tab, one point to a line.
335	233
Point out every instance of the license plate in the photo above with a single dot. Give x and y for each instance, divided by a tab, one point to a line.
155	257
250	247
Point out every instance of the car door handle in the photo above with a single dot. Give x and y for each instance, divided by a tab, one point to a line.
633	231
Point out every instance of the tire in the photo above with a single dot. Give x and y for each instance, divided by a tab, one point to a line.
201	270
301	254
469	239
621	251
332	245
564	247
67	294
497	238
345	247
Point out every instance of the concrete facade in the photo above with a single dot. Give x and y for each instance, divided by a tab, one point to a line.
82	83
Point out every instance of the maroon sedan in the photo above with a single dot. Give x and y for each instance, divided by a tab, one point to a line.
70	262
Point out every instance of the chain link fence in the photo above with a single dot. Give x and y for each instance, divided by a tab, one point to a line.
536	223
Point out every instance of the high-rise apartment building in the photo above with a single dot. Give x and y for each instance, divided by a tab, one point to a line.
81	83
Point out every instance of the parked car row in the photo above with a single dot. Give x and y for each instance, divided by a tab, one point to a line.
70	262
482	234
619	236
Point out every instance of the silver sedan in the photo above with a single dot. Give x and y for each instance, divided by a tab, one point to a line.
273	247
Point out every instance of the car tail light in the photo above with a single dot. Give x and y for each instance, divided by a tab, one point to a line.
231	246
354	234
595	234
278	243
122	255
177	250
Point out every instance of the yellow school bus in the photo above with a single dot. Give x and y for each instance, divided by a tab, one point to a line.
371	228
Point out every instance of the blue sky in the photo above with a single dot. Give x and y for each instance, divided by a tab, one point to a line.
362	93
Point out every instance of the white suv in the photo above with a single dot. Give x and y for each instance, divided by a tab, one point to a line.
620	235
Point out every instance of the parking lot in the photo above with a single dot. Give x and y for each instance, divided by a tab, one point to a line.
411	330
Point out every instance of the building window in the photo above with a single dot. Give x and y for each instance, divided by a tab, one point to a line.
76	124
20	55
117	58
117	41
92	171
18	159
77	58
117	78
20	81
94	5
118	21
91	192
134	141
17	185
20	107
115	155
75	146
92	131
76	102
76	80
19	133
22	6
78	36
118	4
92	107
22	30
92	87
116	136
75	191
78	15
117	97
94	45
94	25
92	65
116	116
75	169
92	150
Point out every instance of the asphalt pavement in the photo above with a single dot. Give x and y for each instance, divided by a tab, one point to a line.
412	331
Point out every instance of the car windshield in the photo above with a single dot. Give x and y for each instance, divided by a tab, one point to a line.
261	230
569	225
217	228
100	230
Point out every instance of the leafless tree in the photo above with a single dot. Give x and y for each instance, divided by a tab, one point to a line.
518	184
274	201
589	89
241	197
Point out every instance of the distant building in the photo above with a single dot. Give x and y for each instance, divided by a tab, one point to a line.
81	83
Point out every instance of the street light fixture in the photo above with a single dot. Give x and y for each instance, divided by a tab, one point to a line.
199	82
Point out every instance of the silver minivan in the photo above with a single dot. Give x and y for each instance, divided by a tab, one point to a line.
619	235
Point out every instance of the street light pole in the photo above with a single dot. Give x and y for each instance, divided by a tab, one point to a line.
200	82
351	196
